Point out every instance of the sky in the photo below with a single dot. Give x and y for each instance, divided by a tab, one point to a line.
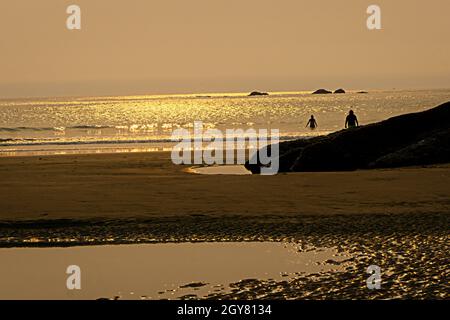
199	46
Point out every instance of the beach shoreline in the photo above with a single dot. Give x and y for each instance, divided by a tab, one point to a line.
150	185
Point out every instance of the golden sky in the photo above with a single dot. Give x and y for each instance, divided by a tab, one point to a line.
179	46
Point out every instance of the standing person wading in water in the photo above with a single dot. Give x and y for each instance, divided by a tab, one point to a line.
312	123
351	121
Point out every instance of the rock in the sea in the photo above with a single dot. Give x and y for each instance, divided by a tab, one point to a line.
421	138
257	93
321	91
339	91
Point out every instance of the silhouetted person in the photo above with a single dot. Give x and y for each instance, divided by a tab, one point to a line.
312	123
351	120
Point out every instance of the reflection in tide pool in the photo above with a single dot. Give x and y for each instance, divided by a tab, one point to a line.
155	271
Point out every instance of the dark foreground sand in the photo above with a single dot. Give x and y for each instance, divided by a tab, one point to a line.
397	219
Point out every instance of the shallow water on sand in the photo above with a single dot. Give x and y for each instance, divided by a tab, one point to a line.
221	170
159	271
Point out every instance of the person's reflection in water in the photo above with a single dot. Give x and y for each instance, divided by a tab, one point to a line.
351	121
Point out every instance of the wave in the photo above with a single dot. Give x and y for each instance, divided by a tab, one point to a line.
41	142
18	129
92	127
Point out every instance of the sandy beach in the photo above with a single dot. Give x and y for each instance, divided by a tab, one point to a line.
149	185
397	219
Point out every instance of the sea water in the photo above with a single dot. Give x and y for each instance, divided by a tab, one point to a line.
145	123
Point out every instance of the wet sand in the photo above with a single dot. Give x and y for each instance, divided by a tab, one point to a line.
397	219
149	185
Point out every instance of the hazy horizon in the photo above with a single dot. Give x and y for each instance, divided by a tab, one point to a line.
210	93
157	47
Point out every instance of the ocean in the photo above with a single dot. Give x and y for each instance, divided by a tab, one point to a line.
145	123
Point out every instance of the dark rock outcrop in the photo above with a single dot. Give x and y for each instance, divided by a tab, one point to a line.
339	91
363	92
257	93
421	138
322	91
